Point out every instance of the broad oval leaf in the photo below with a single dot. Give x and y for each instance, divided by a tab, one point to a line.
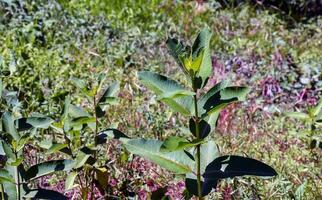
230	166
177	162
48	167
162	85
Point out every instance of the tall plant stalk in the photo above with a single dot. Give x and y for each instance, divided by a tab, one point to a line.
198	146
17	177
95	143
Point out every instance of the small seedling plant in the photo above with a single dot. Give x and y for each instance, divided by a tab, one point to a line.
313	119
195	156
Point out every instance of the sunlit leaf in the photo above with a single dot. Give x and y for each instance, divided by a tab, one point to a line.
69	183
298	115
161	85
175	143
177	161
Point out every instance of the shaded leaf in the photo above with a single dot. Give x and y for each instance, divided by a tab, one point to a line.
222	98
48	167
201	47
109	133
177	50
22	125
44	194
203	125
230	166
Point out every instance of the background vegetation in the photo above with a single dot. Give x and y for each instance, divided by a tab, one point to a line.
43	44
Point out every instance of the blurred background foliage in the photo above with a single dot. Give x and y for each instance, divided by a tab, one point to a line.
272	46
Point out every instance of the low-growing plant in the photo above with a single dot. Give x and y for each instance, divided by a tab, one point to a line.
74	135
195	155
313	119
15	133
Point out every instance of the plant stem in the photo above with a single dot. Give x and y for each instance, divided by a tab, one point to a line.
2	192
198	146
95	143
17	177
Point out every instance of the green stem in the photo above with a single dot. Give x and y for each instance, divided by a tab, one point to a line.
17	177
2	192
95	142
198	147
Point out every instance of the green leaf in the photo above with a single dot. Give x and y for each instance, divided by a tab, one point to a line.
9	126
84	156
317	109
81	85
109	133
48	167
203	126
76	112
201	47
44	194
8	151
110	92
214	100
208	153
5	176
175	94
69	183
177	50
230	166
162	85
298	115
177	162
56	147
175	143
40	122
102	174
22	125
